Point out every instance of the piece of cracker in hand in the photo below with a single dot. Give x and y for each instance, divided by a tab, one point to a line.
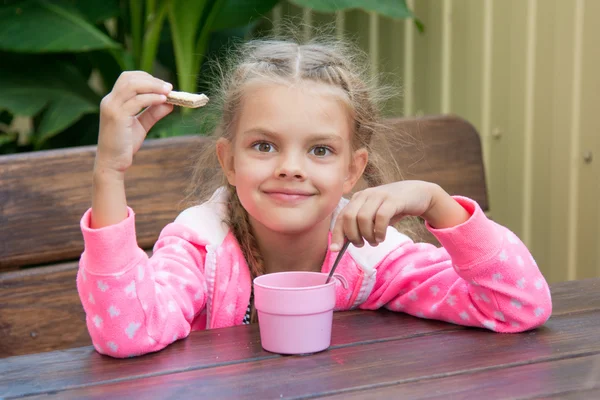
185	99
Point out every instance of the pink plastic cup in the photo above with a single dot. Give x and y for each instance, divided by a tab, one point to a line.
295	311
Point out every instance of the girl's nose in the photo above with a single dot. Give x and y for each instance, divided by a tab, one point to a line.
290	168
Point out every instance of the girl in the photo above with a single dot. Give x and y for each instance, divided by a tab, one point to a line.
295	137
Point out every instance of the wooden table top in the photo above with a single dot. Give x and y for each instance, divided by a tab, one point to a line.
374	354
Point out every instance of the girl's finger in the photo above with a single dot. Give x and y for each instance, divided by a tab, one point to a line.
127	88
350	222
153	114
337	236
141	101
366	218
383	218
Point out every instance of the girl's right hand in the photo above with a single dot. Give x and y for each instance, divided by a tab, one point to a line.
122	127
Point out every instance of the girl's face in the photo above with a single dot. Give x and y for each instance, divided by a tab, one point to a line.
291	160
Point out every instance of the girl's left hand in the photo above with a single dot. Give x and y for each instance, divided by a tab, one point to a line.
370	211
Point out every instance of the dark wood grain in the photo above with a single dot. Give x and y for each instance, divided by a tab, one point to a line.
375	363
240	345
445	150
204	349
41	311
583	394
44	194
27	324
578	377
566	296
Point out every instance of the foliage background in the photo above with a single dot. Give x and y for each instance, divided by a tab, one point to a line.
59	58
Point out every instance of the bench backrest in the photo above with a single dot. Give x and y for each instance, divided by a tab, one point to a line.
44	194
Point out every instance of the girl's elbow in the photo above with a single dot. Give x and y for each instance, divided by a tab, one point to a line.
541	314
109	343
116	349
534	316
519	315
541	308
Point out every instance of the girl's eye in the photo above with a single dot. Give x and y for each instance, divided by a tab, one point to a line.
263	147
320	151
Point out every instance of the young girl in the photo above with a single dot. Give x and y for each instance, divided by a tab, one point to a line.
295	137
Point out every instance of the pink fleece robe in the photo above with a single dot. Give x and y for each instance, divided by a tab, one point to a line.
197	278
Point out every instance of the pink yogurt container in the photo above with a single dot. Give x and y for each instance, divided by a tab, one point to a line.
295	311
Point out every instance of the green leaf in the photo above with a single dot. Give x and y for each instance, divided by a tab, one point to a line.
62	112
152	38
84	132
200	121
93	11
5	118
9	142
20	101
107	66
389	8
184	20
7	138
420	25
203	40
39	26
241	12
136	11
30	84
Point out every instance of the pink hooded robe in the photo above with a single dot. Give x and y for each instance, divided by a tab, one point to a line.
197	278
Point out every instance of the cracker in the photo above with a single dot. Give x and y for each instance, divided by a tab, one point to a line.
185	99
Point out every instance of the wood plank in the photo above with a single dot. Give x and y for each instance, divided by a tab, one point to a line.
587	394
28	325
51	371
445	150
44	194
567	298
53	188
40	311
358	366
577	377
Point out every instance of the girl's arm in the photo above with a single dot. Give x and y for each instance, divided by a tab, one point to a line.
483	276
135	304
109	205
123	129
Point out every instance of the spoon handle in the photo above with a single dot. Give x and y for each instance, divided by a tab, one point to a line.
337	260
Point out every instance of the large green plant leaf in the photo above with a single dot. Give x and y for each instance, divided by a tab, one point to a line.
190	22
84	132
389	8
63	110
39	26
93	10
151	38
184	19
30	85
178	124
236	13
107	67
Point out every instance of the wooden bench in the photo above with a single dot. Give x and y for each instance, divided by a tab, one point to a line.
44	194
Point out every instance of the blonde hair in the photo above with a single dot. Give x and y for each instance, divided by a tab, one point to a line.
333	63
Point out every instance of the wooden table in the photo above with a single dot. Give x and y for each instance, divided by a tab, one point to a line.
373	355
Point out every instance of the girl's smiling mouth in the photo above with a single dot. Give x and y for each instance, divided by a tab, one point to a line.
288	196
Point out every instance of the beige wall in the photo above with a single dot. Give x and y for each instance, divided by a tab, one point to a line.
525	73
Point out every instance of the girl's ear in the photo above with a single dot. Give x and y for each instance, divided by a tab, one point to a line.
225	156
357	167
